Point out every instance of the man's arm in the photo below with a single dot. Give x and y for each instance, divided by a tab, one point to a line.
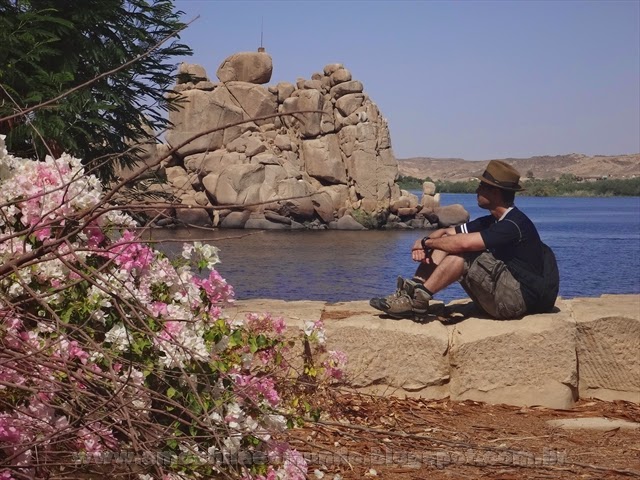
448	240
457	243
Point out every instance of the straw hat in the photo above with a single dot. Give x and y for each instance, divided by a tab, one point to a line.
502	175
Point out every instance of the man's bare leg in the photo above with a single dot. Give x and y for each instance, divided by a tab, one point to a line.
425	270
448	271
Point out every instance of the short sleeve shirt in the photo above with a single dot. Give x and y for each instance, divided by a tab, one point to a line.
513	239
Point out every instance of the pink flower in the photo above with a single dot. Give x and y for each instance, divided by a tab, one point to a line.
95	438
76	352
158	309
6	475
256	389
266	324
95	236
130	254
216	288
8	432
334	365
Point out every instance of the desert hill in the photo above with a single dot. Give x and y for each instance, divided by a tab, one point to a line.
584	166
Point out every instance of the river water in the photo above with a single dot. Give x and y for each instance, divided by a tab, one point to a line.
596	241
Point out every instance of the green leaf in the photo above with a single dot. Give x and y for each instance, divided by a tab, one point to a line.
171	392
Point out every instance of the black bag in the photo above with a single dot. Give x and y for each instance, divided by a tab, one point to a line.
550	286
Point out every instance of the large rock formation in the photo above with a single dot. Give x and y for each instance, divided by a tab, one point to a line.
588	348
331	159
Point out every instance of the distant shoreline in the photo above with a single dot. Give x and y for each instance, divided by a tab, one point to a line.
565	186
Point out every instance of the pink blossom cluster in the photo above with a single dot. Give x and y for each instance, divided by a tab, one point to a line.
256	389
137	306
335	363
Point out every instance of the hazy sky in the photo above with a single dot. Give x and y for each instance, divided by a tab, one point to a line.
469	79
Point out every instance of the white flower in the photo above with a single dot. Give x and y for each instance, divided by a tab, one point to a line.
215	418
187	251
118	337
276	423
15	289
319	474
309	327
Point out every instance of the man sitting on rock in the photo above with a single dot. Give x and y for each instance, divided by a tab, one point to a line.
498	259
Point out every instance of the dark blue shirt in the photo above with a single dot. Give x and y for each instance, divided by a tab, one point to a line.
514	240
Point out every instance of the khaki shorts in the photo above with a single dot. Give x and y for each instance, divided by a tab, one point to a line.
491	286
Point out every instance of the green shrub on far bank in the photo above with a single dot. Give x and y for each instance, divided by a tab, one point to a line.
565	186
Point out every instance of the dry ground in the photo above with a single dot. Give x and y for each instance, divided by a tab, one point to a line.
387	438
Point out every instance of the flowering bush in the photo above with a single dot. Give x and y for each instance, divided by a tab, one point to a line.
111	353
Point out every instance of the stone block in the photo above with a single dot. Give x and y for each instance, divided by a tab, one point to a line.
608	346
531	361
390	357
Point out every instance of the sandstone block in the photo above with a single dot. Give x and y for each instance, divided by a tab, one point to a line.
332	67
389	357
298	193
235	220
406	212
252	67
347	222
206	85
274	217
253	100
323	206
428	202
341	75
283	142
265	158
339	195
174	172
402	202
284	89
451	215
312	85
530	361
236	179
202	199
193	216
322	159
254	147
349	103
327	123
369	205
608	346
310	122
182	185
354	86
264	224
189	72
210	182
413	199
202	111
428	188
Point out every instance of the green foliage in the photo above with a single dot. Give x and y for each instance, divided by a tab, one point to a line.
51	46
570	186
408	182
567	185
364	218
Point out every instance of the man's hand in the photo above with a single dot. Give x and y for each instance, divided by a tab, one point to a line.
418	253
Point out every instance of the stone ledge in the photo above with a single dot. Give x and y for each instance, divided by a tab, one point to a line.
588	348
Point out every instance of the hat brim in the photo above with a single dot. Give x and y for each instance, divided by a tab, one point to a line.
518	188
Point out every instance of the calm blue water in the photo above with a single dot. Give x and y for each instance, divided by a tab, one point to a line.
596	241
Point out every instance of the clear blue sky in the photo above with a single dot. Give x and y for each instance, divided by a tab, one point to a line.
469	79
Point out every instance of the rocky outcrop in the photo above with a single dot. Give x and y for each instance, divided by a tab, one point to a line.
587	348
331	159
